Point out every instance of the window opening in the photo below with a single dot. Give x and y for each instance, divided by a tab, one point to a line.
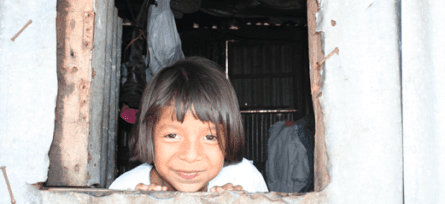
213	38
284	81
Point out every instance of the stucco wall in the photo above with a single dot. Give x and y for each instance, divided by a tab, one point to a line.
423	60
361	101
28	90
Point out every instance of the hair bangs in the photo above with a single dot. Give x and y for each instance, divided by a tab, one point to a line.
194	96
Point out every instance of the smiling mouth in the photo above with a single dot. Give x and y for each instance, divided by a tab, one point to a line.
188	175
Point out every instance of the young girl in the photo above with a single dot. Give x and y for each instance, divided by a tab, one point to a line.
189	134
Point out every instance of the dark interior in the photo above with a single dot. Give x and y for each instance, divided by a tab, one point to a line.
262	45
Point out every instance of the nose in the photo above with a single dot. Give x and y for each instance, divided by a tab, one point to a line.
191	151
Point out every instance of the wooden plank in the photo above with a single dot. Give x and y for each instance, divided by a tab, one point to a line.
321	175
69	150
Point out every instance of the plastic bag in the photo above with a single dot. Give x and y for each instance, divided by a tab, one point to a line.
164	43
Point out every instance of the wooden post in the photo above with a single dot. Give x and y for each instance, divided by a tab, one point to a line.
69	150
321	174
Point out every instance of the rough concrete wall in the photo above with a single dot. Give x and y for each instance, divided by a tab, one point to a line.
423	61
361	101
28	91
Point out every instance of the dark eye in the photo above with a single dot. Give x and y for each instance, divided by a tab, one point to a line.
211	137
171	136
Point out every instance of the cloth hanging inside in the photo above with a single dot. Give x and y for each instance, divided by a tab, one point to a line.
289	166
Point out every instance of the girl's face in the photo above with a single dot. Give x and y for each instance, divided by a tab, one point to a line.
187	155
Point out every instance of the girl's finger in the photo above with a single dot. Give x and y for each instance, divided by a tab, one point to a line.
151	187
138	187
228	186
154	187
216	189
143	187
238	188
161	188
219	189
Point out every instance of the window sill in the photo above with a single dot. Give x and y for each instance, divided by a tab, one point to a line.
74	195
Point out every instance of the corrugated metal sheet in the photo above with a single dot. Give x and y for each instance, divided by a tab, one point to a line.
264	74
114	99
256	128
106	62
213	50
264	93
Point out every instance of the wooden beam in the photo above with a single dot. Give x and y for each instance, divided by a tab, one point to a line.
69	150
321	175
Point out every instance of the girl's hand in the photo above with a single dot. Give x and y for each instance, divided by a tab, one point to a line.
227	187
151	187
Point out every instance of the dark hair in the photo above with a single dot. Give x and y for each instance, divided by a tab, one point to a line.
196	84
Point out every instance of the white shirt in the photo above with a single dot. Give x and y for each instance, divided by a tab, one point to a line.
244	174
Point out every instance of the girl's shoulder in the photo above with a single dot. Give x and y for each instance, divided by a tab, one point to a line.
243	173
129	180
